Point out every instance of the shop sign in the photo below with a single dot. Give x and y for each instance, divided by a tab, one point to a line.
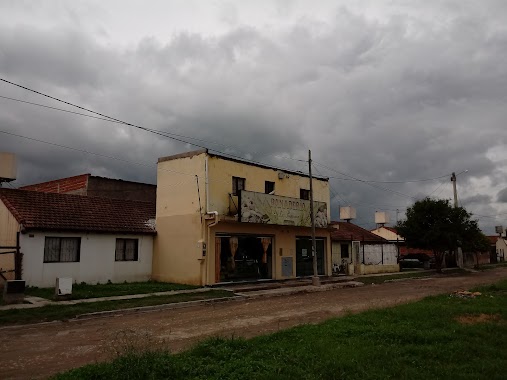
273	209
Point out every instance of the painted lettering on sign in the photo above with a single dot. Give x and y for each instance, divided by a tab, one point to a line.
273	209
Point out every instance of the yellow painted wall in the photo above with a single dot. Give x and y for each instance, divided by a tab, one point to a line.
178	257
176	253
8	228
221	172
386	234
374	269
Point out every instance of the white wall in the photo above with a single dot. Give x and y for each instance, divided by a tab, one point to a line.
373	254
97	260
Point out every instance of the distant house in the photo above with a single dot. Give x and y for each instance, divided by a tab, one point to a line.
388	233
501	249
391	234
89	239
356	250
94	186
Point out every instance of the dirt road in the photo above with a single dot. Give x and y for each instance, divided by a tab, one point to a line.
42	350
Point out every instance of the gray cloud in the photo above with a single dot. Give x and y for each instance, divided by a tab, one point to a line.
417	93
502	196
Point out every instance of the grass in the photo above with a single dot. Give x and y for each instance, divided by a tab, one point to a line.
421	340
83	291
63	312
492	266
390	277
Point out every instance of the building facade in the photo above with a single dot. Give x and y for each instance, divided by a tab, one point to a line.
357	251
88	239
221	219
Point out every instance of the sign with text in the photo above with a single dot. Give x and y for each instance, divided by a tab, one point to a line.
273	209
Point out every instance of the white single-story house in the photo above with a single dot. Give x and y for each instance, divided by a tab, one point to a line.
358	251
90	239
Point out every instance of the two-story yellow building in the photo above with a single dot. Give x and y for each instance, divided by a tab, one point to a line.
221	219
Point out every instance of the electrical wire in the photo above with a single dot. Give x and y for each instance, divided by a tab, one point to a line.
171	135
368	183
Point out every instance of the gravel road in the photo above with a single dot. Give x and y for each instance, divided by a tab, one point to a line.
38	351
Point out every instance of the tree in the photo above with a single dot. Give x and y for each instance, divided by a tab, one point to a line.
435	225
476	243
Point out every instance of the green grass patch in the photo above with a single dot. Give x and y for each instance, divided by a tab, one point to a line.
492	266
83	291
62	312
422	340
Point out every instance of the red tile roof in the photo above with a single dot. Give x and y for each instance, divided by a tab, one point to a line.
48	211
404	250
349	231
492	239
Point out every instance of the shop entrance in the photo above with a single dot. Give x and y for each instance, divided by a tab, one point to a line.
242	258
304	259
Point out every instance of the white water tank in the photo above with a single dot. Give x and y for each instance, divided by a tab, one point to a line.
347	213
381	217
7	167
499	229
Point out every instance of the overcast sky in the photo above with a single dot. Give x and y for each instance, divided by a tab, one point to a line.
379	90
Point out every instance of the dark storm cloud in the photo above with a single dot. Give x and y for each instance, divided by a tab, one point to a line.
397	99
502	196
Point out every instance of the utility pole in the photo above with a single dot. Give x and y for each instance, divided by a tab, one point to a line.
315	278
459	253
453	180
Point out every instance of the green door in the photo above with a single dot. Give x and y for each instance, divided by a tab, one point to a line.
304	260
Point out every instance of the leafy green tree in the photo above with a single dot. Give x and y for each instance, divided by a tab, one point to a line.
435	225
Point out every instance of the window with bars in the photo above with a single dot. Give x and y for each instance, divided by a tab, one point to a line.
238	184
126	250
62	249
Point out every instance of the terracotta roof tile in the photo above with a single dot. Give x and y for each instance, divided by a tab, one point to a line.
349	231
49	211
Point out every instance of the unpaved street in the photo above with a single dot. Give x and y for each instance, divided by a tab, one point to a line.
38	351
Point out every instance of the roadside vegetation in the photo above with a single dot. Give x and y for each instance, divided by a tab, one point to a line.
63	312
443	337
83	290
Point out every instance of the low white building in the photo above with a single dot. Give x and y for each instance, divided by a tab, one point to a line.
90	239
357	251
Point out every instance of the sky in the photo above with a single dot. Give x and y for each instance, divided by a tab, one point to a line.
390	96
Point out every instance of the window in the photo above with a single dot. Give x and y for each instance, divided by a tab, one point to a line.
126	250
237	185
61	249
269	187
304	194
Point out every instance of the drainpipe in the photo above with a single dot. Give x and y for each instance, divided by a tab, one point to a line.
208	238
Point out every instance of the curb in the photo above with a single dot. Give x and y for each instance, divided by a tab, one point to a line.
147	309
300	290
134	310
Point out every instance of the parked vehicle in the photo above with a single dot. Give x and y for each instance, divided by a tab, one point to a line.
410	263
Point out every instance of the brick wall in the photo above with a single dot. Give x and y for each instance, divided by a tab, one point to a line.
71	185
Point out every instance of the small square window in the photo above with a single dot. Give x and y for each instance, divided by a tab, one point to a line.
126	250
269	187
238	184
304	194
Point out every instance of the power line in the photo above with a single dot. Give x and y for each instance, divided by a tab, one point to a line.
368	183
173	136
394	182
